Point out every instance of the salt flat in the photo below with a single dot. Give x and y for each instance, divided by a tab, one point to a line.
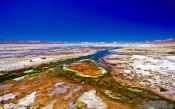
138	76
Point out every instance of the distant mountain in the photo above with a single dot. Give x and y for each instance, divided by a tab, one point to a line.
30	42
170	40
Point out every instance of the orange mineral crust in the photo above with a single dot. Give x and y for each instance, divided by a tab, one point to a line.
85	67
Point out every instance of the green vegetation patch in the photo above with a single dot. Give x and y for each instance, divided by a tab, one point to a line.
19	78
31	71
162	89
111	95
103	72
151	108
81	105
34	107
134	90
131	101
51	69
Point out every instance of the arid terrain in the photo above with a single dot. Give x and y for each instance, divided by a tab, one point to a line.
88	75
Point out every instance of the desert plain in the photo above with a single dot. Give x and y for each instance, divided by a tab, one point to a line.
87	75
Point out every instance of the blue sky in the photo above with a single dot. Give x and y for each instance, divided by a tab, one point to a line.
87	20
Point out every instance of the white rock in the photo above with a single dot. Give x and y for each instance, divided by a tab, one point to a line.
170	58
144	73
9	106
13	106
127	71
7	97
70	94
49	106
36	59
148	63
58	88
29	99
92	101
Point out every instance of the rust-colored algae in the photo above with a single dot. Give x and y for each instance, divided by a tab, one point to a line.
53	90
85	67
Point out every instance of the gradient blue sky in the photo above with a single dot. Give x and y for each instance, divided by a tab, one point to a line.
87	20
